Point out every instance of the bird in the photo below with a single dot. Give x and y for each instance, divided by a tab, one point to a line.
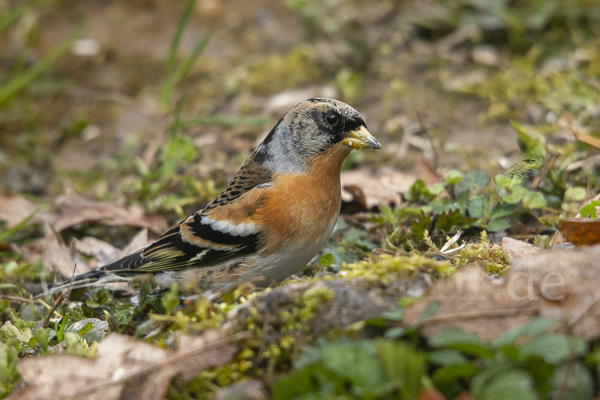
273	217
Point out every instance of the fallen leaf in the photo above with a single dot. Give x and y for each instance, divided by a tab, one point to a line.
73	209
59	257
426	172
102	251
559	284
138	242
514	248
34	250
581	232
371	189
14	209
124	368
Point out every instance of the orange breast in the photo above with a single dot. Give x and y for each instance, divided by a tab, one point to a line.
299	208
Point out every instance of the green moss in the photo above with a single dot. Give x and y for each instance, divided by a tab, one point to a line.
389	268
490	256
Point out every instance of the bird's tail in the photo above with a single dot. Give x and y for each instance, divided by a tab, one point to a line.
92	278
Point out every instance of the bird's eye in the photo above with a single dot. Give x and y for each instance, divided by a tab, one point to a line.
332	118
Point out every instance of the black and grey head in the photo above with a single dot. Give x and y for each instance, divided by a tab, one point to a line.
310	128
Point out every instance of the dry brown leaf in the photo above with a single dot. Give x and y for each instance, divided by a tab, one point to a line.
138	242
34	250
73	209
102	251
582	232
426	172
123	369
372	189
14	209
558	284
59	257
514	248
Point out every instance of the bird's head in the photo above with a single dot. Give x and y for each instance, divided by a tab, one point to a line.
312	128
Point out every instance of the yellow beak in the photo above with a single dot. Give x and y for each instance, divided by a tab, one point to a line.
361	138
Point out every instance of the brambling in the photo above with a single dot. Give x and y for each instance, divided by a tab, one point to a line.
274	216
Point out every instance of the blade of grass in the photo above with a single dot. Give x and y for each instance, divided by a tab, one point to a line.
177	38
15	85
185	67
12	15
9	232
180	73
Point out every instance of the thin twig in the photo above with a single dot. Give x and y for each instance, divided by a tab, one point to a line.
63	296
478	314
545	169
19	299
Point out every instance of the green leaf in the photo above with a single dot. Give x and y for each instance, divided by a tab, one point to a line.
396	314
8	285
534	200
472	182
356	362
452	177
170	300
326	260
357	237
517	194
3	305
404	366
451	336
477	205
531	142
571	382
589	210
463	341
8	330
527	140
534	327
418	193
499	225
446	357
575	194
553	348
503	210
505	385
301	383
504	182
448	220
430	310
450	373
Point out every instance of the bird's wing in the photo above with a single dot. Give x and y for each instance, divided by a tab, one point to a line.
223	230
